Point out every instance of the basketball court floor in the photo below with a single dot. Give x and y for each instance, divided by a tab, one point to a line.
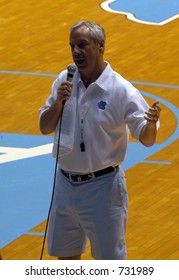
142	45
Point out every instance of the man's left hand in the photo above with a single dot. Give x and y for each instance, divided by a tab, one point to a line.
153	114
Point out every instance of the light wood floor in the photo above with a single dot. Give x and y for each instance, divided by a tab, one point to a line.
34	38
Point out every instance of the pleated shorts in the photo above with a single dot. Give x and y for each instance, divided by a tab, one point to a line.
96	210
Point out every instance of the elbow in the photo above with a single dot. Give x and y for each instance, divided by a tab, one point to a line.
44	129
44	126
147	143
44	132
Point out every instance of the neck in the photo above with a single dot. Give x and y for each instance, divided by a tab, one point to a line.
89	77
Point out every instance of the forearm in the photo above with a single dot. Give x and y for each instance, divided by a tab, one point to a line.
148	134
50	117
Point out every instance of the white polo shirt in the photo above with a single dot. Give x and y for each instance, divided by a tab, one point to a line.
105	111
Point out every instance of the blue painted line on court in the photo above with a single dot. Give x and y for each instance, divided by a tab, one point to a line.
35	233
56	75
157	162
27	73
154	85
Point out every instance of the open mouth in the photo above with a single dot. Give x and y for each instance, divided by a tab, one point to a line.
79	61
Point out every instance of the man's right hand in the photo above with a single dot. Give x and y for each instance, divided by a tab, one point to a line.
64	91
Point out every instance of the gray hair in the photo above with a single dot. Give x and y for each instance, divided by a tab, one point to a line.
96	30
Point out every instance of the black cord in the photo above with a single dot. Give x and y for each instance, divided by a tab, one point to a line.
54	181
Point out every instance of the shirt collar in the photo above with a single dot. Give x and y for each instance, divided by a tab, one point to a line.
102	81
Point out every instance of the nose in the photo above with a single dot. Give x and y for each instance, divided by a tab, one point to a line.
75	50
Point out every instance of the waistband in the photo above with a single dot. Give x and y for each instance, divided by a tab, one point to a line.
89	176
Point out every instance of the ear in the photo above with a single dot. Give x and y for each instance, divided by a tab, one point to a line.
101	47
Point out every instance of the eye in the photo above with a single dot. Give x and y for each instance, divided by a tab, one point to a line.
82	45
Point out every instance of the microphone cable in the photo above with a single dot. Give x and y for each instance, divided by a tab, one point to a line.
54	182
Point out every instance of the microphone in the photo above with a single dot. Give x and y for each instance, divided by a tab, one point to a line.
71	71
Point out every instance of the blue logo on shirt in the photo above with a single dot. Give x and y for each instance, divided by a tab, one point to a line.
102	105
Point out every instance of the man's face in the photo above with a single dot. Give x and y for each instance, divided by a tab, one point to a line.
86	52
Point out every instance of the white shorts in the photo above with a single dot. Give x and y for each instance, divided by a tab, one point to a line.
95	209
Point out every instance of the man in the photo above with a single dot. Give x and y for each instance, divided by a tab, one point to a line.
90	197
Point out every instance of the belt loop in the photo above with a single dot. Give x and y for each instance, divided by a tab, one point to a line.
79	178
91	175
